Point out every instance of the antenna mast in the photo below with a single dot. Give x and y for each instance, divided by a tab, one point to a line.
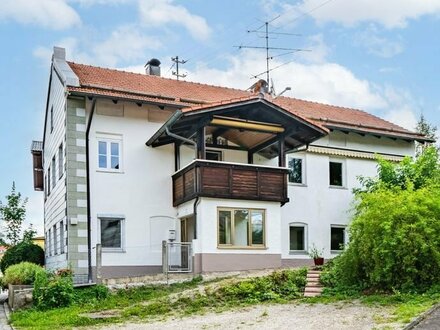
267	47
177	62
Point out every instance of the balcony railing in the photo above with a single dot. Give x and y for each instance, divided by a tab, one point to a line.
231	181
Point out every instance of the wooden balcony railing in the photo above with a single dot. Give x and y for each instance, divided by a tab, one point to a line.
229	180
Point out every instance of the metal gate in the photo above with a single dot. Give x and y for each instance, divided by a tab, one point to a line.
177	257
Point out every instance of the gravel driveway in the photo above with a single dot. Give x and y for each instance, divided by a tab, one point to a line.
337	316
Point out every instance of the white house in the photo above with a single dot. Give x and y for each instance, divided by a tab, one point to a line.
130	160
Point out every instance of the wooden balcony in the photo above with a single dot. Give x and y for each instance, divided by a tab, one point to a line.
229	180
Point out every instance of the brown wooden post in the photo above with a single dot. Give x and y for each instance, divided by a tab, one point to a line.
176	156
250	157
281	153
201	144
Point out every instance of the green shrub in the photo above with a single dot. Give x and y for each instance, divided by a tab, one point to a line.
53	291
280	285
23	273
394	242
24	251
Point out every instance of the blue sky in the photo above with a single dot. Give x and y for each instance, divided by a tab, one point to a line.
380	56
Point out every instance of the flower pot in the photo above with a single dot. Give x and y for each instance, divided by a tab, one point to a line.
318	261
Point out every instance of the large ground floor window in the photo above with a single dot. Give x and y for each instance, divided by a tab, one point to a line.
241	227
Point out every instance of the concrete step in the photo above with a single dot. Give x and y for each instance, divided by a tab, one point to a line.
314	272
313	289
314	284
313	276
312	294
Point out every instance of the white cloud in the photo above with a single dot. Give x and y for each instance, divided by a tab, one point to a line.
158	13
389	13
54	14
88	3
126	43
322	82
378	45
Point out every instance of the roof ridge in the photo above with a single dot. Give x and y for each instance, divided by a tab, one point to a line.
157	77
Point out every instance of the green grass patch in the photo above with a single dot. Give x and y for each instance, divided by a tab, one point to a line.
152	302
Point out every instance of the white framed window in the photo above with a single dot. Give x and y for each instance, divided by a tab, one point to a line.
54	176
55	245
62	237
112	232
48	181
60	161
110	154
297	173
51	119
241	227
337	172
298	237
338	238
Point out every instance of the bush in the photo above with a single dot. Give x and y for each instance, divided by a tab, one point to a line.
23	273
280	285
394	242
53	291
24	251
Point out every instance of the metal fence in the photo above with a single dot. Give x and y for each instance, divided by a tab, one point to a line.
177	257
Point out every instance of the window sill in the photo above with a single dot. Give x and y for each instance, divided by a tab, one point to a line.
109	171
293	184
336	251
338	187
298	252
110	250
221	247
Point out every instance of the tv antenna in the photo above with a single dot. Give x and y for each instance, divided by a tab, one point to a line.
267	35
177	62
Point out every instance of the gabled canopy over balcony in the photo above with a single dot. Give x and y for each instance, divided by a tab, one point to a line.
253	125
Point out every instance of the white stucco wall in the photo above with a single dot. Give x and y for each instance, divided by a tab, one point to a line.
142	191
55	202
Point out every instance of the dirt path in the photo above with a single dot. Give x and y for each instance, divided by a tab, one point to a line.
338	316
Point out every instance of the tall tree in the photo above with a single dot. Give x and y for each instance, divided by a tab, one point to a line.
13	214
424	127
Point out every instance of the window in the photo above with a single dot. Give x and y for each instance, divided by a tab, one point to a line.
109	155
51	119
336	173
48	181
49	245
296	170
241	227
297	237
213	155
111	233
337	238
53	172
55	245
60	161
61	237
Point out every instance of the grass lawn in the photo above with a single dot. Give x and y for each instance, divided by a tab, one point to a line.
160	302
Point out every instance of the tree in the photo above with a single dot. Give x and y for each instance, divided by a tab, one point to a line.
395	231
13	213
423	127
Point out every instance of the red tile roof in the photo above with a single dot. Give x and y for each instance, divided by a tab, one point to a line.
183	94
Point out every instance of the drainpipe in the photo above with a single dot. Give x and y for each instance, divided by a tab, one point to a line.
196	202
89	214
181	138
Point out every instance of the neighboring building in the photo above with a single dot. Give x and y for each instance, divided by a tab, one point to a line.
251	181
39	240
